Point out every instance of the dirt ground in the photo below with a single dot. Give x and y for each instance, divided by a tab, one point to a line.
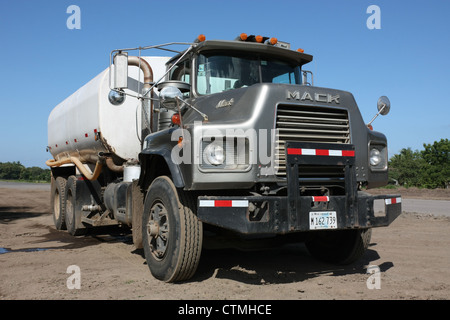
412	255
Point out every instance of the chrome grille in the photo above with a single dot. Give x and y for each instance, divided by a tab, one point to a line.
310	124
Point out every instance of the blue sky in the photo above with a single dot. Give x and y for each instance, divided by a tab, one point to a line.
42	61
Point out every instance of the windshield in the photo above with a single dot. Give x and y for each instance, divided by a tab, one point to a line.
218	73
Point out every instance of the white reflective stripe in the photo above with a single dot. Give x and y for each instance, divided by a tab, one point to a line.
309	152
206	203
225	203
335	153
240	203
393	200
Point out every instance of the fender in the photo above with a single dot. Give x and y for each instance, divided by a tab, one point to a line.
158	148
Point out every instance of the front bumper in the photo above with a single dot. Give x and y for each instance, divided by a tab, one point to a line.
273	215
292	213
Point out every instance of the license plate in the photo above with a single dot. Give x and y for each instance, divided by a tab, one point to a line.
322	220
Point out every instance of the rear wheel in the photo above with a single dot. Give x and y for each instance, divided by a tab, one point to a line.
172	234
58	202
73	209
339	246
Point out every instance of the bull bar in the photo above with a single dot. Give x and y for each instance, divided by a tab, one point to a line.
292	213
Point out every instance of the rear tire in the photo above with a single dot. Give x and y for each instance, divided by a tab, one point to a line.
73	209
339	246
172	234
58	202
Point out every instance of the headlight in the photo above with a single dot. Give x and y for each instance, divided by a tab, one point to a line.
214	154
378	157
228	154
375	157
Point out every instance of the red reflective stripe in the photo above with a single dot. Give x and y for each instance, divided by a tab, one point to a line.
294	151
223	203
348	153
321	152
321	199
393	200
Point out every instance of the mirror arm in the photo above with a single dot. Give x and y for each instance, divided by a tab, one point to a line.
379	112
205	117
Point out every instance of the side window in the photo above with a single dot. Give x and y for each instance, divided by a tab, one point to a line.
182	72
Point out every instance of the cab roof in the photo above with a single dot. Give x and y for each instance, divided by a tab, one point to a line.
250	47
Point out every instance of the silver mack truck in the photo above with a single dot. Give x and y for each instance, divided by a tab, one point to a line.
222	144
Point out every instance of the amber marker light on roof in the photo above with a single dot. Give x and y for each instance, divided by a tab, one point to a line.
300	50
201	38
259	39
243	36
273	41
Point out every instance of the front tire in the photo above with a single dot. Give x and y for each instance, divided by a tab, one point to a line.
172	234
339	246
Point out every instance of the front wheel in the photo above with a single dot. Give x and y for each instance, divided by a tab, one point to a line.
339	246
171	233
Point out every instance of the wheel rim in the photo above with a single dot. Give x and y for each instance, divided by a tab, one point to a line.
158	230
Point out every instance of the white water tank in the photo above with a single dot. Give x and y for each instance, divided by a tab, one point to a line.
86	123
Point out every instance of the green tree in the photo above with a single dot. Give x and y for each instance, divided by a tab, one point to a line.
10	170
16	171
436	170
406	167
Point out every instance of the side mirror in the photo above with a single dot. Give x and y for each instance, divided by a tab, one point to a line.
120	70
383	105
116	98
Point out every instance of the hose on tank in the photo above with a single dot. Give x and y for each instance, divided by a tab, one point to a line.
88	175
112	166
